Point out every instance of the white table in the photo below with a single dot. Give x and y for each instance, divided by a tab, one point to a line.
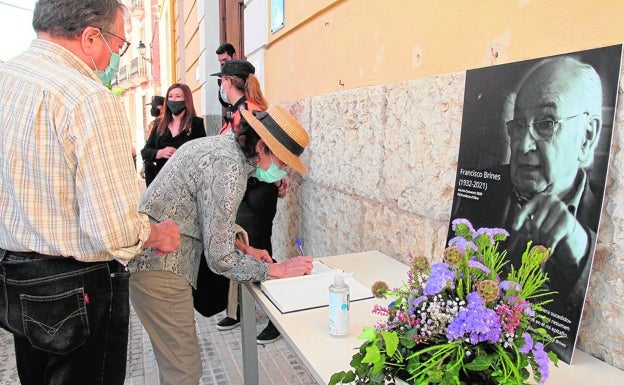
307	331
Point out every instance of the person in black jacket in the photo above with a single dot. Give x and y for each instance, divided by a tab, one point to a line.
178	124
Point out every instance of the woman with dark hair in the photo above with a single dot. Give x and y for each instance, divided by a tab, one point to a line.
178	125
200	189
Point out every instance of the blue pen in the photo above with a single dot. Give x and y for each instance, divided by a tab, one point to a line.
300	245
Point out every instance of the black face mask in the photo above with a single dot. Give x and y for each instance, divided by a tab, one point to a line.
155	112
176	106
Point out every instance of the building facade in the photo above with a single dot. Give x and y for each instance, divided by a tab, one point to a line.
380	86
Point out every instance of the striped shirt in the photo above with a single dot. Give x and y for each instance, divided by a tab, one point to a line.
67	181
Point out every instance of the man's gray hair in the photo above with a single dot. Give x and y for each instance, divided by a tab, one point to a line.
68	18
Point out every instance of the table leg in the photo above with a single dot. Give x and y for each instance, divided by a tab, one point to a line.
248	333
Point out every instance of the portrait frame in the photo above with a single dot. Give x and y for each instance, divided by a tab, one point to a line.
484	157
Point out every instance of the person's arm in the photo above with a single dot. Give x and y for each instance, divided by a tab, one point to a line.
223	185
259	254
148	153
107	193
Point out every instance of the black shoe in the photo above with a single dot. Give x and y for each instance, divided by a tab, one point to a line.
227	323
268	335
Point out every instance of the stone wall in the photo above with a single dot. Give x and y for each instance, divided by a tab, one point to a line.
382	163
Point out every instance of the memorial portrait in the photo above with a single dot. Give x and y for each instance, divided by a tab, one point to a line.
533	159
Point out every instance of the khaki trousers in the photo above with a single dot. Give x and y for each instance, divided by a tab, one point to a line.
164	303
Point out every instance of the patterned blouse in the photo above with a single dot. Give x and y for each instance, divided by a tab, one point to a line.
200	189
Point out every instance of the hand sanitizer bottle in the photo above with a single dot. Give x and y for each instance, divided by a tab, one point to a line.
339	307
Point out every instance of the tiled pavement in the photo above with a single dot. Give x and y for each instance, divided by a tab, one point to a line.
221	357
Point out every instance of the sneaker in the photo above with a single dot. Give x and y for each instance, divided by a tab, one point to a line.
268	335
227	323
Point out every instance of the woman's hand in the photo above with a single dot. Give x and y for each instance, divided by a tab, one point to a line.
282	187
293	267
165	153
259	254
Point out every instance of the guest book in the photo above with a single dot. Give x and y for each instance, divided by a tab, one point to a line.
310	291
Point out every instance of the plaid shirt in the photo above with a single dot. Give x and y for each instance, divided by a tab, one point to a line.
67	181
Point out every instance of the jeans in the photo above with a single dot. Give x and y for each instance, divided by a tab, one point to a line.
69	319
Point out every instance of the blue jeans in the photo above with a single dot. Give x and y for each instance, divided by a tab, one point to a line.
69	319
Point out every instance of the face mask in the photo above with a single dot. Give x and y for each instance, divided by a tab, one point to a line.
223	95
176	106
109	73
155	112
271	174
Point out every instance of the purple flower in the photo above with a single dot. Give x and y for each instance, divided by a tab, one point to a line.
419	300
499	234
477	321
485	237
458	226
528	310
440	276
541	358
486	233
463	244
528	343
510	285
478	265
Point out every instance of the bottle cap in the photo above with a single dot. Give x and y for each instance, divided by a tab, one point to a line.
339	279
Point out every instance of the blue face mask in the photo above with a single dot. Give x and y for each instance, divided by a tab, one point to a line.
271	174
109	73
223	94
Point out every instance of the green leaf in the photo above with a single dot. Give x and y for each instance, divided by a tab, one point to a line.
379	365
368	334
391	339
372	355
407	340
342	378
480	363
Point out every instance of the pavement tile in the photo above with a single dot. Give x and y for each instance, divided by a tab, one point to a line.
221	357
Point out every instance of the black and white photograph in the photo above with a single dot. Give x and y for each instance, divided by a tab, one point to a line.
533	159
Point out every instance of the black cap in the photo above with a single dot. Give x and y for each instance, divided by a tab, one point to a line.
156	101
235	67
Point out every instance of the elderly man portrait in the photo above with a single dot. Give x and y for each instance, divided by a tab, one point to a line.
553	121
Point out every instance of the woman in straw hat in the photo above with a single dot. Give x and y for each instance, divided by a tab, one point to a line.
241	89
200	188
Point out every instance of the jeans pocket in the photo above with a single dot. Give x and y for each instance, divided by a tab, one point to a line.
57	323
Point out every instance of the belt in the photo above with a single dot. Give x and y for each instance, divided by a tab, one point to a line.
31	255
20	255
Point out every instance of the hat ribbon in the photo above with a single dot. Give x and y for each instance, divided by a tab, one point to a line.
278	132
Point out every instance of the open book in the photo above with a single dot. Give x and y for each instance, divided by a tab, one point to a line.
310	291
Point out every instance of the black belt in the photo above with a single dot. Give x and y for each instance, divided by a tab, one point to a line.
114	265
32	255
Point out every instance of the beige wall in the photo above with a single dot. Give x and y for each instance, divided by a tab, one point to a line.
368	42
191	51
384	144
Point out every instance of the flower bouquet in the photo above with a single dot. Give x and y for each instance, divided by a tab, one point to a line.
459	321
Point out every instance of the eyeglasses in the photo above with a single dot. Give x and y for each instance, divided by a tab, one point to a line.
539	130
124	47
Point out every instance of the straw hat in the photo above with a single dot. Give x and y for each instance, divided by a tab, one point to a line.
282	133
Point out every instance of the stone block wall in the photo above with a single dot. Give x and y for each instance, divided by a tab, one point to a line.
382	164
